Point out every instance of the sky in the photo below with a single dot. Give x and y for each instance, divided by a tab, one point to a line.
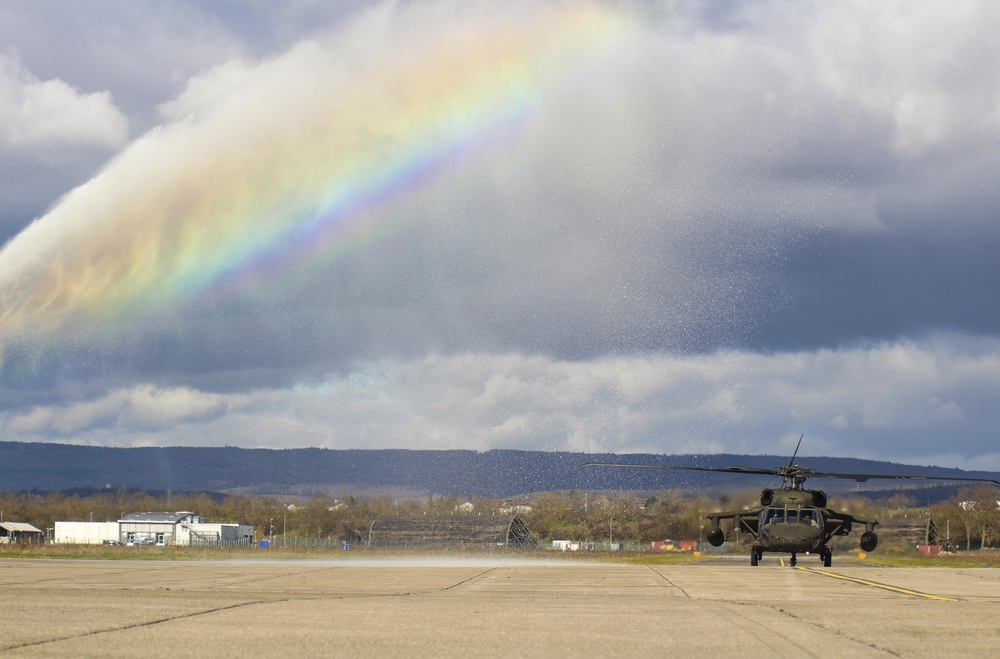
630	227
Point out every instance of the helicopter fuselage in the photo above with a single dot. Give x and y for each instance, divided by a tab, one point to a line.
791	529
791	520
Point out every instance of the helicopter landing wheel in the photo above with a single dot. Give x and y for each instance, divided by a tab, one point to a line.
828	558
754	557
793	560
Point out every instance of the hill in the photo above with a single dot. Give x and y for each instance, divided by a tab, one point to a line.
400	472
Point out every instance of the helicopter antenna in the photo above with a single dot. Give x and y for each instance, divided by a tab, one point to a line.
792	461
789	471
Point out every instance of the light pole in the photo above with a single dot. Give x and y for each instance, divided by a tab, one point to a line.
271	533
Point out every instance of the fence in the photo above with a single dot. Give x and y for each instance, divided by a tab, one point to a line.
416	543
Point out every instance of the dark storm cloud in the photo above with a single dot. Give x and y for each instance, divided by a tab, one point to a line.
847	288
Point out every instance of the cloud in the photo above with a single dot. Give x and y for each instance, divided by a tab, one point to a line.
142	408
931	79
52	135
40	114
937	396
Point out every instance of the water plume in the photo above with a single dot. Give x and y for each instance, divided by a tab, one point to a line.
302	157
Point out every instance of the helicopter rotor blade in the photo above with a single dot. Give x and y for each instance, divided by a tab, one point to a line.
791	472
753	471
862	478
738	470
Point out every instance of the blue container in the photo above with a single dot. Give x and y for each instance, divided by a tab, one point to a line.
264	544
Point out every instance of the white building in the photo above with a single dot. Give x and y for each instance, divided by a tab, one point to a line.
204	533
180	528
85	533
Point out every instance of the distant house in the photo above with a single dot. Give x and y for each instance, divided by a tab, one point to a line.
971	505
515	509
19	532
466	507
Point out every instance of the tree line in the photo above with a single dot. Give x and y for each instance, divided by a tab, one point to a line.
969	520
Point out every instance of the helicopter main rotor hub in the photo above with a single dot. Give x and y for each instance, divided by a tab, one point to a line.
796	474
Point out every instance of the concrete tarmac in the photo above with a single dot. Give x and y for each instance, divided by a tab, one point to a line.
491	607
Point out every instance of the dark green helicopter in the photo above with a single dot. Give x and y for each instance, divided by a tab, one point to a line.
791	519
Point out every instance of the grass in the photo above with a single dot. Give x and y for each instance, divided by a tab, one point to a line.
178	553
175	553
888	557
896	558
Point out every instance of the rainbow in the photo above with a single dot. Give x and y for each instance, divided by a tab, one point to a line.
291	166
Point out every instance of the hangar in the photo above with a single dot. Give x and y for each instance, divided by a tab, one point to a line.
445	530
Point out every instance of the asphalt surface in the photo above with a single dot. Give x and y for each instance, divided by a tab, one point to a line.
492	607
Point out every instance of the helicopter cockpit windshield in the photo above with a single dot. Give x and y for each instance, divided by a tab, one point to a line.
780	515
809	516
774	515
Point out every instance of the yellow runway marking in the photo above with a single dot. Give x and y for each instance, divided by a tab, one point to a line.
875	584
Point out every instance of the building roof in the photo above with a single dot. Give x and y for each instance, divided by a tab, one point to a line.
19	527
162	518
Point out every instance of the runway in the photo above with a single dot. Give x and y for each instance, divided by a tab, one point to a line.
490	607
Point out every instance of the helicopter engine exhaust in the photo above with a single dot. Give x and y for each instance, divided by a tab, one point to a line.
869	541
715	536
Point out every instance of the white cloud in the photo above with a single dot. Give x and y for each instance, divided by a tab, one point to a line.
44	113
923	67
140	409
893	401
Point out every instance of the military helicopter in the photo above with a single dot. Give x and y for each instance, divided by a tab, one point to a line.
791	519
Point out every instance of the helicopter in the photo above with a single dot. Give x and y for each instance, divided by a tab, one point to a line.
792	519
